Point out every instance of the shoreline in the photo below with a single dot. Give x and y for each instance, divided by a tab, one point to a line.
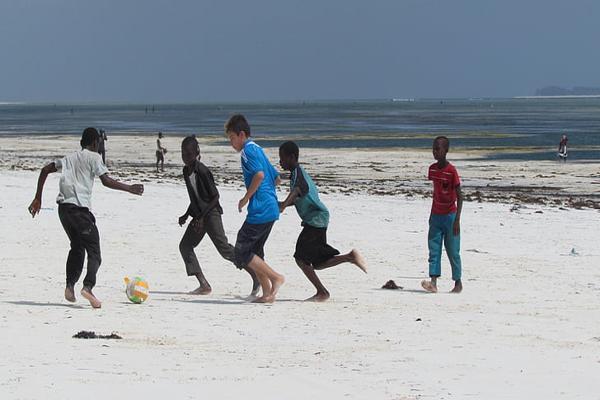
375	171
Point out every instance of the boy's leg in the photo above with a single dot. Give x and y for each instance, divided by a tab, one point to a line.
214	227
76	256
452	245
309	272
353	257
275	279
191	238
91	241
434	240
248	246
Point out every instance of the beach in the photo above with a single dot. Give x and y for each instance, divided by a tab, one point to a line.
524	327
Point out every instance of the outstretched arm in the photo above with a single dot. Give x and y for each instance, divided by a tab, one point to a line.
459	203
116	185
36	204
290	199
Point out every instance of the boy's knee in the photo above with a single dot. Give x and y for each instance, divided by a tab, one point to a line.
240	256
184	247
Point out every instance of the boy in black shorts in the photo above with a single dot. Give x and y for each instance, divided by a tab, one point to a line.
312	251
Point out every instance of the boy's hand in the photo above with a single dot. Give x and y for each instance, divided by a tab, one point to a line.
183	219
456	227
34	207
136	189
242	203
198	224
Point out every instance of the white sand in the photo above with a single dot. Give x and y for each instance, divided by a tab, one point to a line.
526	326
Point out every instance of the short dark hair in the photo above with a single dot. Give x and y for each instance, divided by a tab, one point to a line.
190	140
237	123
89	136
290	148
443	139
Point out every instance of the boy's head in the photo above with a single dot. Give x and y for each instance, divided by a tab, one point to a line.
441	145
160	135
89	139
288	155
190	150
237	131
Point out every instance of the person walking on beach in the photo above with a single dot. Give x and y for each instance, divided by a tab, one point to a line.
205	211
562	148
444	220
160	153
78	171
312	251
102	145
260	179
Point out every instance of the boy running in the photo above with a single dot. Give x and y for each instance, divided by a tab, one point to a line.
205	211
260	179
312	251
444	221
74	204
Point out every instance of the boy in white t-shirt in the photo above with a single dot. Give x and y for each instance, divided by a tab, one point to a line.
74	204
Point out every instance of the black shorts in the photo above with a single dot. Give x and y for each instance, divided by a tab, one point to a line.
160	156
250	241
312	247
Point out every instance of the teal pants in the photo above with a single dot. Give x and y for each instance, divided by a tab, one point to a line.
441	231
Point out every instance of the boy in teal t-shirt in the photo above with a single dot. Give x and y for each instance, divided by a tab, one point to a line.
312	251
260	179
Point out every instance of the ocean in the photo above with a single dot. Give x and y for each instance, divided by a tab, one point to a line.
504	128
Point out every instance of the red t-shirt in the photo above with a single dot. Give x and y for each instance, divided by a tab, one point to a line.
445	182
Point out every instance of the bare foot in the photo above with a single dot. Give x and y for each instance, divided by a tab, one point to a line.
89	296
201	290
430	287
358	260
275	285
457	287
319	297
264	299
70	294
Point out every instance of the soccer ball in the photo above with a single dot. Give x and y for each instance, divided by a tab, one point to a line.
136	289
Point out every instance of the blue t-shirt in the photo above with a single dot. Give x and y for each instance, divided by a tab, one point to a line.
310	208
263	206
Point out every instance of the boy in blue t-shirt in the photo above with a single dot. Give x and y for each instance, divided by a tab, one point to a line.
312	251
260	179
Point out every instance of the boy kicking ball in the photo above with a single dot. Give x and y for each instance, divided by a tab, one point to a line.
74	210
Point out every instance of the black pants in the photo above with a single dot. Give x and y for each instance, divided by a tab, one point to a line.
80	225
213	225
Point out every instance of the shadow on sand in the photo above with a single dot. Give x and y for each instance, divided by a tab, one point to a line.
35	303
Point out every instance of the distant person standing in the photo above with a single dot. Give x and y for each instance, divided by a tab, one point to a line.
101	145
160	153
562	148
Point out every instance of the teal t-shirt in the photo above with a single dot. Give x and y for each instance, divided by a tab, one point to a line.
310	208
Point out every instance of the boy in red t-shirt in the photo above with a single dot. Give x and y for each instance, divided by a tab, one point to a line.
444	221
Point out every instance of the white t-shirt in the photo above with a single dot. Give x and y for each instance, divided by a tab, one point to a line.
78	172
194	184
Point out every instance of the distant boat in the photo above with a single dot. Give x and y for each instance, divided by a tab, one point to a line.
404	100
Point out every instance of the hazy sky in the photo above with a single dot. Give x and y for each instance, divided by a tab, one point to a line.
204	50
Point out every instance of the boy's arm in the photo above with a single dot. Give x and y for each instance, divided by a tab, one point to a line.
36	204
116	185
290	199
459	204
256	181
